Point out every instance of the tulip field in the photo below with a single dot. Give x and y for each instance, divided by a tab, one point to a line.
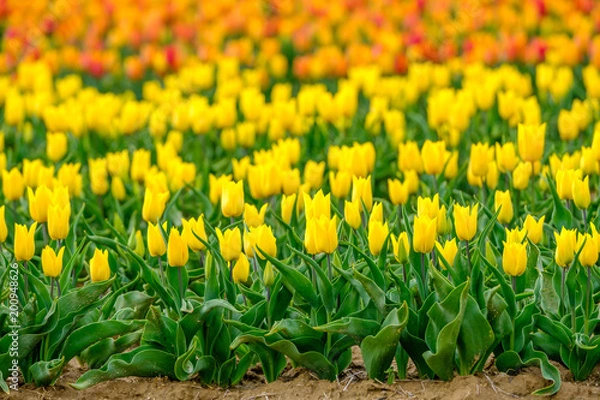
202	190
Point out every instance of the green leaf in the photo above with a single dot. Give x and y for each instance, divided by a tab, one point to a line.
324	284
445	320
296	281
45	373
357	328
561	216
378	351
143	361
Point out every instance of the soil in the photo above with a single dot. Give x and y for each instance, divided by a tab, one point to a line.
301	384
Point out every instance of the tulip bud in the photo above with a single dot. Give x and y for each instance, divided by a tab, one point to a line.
13	184
321	235
506	157
51	262
448	251
503	202
318	206
232	199
465	221
514	258
99	268
177	249
401	247
378	232
522	175
340	184
269	275
313	174
425	232
566	243
252	217
588	255
531	140
39	201
433	155
361	189
24	245
398	191
156	242
376	213
58	222
481	154
352	213
117	189
535	229
3	227
56	146
287	207
230	243
192	229
581	192
154	205
241	269
515	235
140	165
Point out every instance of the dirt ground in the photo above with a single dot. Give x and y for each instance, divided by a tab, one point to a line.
300	384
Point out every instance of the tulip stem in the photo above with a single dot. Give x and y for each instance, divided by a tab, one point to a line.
45	233
587	298
329	266
423	276
52	287
181	292
469	257
562	290
585	221
513	281
57	286
26	281
405	273
162	273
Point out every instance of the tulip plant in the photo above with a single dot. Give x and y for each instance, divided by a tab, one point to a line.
195	205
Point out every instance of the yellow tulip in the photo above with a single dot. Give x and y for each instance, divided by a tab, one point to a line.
51	262
241	269
260	237
376	213
24	246
321	235
318	206
58	222
428	206
232	199
361	189
177	249
401	247
352	213
564	182
287	207
409	157
506	157
531	141
535	229
378	232
514	258
566	244
269	275
515	235
433	155
448	251
140	165
581	192
290	181
340	184
99	268
522	175
425	232
192	229
69	176
398	191
465	221
3	227
240	168
98	176
253	217
503	202
588	255
13	184
154	205
56	146
117	189
156	242
481	154
39	201
216	187
313	174
230	243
